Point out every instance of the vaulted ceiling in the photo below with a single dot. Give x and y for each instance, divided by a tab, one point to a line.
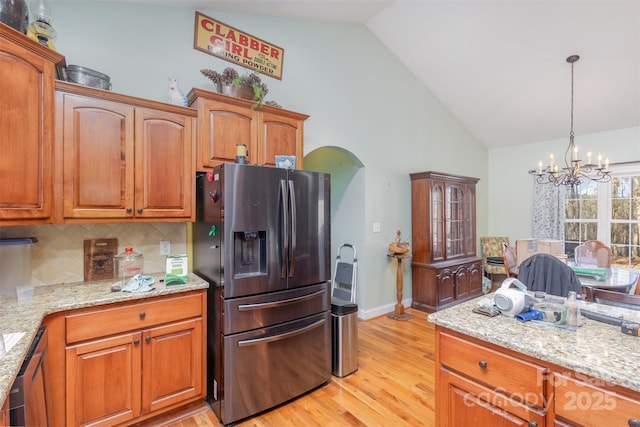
499	66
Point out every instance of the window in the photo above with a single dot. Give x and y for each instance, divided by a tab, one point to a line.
608	212
625	220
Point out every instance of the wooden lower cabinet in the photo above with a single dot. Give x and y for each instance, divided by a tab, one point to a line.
103	381
4	413
133	374
583	402
471	404
440	285
122	364
481	384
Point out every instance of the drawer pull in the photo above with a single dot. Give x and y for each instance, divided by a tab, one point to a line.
532	424
482	364
148	338
136	341
142	314
634	422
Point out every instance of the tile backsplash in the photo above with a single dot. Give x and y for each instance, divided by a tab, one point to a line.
58	255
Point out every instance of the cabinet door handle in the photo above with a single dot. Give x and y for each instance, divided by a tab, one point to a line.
148	338
482	364
633	422
532	424
129	210
136	341
142	314
139	210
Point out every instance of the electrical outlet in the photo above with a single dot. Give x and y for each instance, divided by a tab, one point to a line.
165	247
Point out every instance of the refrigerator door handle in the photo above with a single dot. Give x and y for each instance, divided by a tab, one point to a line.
280	337
292	257
279	303
284	238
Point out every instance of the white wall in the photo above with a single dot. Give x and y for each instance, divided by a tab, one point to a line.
358	95
511	186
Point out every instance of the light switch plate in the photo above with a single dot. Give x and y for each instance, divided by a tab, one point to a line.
376	227
165	247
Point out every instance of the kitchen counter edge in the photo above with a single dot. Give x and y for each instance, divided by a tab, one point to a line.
596	349
26	316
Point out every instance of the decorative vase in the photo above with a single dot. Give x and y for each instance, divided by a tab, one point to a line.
241	91
15	13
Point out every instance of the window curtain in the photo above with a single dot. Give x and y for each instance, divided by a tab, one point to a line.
547	219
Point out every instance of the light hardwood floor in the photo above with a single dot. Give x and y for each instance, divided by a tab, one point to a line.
394	385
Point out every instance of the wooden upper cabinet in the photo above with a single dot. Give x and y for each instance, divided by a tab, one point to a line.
27	73
164	172
279	135
224	122
443	213
223	127
98	158
123	161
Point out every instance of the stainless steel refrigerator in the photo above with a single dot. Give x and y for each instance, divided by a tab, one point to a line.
262	241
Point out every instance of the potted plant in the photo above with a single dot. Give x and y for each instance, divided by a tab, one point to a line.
229	82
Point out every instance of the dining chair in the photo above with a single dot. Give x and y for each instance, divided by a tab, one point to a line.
546	273
618	299
510	260
593	252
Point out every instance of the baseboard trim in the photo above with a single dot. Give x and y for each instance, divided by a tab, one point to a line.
381	310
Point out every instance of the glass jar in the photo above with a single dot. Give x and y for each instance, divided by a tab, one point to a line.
127	264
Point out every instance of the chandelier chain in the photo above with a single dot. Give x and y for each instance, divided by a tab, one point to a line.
571	134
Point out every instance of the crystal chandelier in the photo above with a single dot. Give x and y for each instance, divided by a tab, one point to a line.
573	173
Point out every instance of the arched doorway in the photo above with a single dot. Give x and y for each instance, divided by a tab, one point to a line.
347	195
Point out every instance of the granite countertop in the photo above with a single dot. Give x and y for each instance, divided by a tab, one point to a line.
23	317
595	348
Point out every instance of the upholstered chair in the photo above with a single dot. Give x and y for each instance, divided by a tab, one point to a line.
492	254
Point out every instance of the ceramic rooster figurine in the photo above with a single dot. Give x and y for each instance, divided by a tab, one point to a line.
176	96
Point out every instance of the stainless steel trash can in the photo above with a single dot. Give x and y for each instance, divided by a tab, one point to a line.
344	327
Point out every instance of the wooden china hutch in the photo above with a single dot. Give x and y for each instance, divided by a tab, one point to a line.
445	267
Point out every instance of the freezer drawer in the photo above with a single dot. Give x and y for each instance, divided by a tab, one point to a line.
266	367
259	311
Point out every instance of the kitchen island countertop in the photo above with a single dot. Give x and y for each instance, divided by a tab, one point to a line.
596	349
25	316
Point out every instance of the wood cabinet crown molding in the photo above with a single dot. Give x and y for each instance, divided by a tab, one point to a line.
73	88
19	39
445	176
196	93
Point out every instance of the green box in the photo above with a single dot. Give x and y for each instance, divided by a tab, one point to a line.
176	272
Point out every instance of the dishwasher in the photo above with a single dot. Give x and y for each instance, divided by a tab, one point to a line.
27	401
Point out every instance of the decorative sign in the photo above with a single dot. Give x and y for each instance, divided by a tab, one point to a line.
218	39
98	259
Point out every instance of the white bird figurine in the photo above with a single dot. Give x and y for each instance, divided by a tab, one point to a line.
176	96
